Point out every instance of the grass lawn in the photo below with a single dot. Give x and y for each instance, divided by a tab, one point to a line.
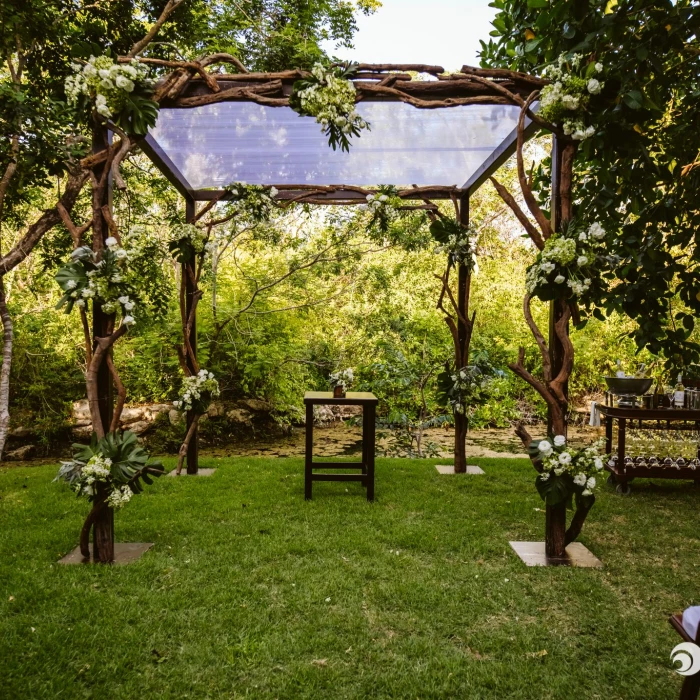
252	592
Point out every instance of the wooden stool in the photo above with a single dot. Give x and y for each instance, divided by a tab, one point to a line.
691	685
368	402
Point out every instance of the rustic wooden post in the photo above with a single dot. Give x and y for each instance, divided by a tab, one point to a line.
188	272
555	516
556	350
463	332
102	325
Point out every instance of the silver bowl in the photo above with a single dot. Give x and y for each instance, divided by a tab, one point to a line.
628	386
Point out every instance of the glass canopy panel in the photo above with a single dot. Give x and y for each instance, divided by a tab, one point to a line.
217	144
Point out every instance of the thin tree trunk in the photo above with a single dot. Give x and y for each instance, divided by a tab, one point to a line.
461	425
185	445
103	535
8	337
555	530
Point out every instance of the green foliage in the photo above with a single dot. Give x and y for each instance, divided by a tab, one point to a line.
631	173
117	461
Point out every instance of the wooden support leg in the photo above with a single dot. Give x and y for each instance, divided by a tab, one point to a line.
370	435
608	435
691	687
365	445
308	472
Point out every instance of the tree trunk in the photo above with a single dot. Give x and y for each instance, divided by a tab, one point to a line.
8	337
461	425
103	536
555	530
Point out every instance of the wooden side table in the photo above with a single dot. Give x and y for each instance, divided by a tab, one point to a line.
368	402
623	468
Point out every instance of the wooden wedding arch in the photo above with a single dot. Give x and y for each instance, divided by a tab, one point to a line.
190	86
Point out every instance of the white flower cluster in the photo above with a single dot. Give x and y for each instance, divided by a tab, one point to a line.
464	383
342	378
195	236
331	99
566	98
570	258
119	497
106	82
253	202
105	283
197	391
98	470
582	465
461	249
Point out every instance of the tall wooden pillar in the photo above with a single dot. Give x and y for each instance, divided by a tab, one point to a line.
101	140
463	281
556	350
188	272
103	527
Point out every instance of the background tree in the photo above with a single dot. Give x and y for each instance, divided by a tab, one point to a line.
636	172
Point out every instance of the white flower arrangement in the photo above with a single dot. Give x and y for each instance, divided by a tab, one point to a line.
464	388
106	82
342	378
253	203
110	469
570	264
566	471
461	247
197	392
106	282
189	234
566	99
329	95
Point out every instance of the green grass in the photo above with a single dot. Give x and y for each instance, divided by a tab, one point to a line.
252	592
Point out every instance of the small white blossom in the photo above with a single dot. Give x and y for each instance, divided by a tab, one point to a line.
594	86
559	440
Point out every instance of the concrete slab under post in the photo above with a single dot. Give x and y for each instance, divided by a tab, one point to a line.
124	553
199	472
577	555
449	469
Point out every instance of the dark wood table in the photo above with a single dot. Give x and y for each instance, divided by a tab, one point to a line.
623	468
368	402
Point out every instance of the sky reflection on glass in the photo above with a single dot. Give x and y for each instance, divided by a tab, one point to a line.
221	143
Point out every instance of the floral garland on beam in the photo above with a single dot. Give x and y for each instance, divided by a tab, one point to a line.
253	203
566	100
117	91
330	95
